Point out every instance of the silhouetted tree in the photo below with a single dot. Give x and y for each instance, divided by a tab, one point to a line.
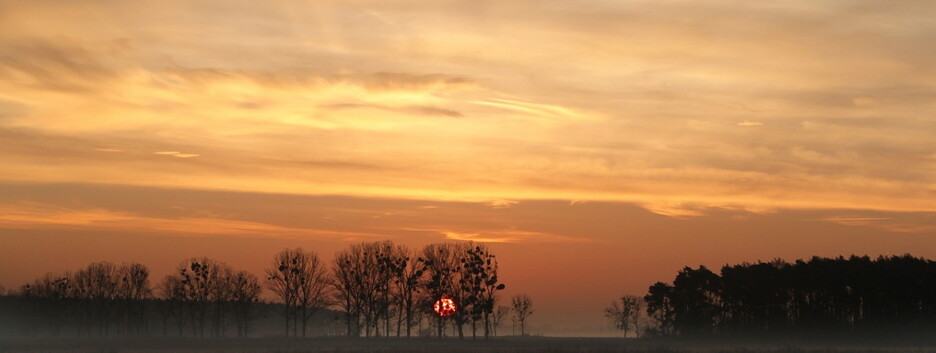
95	288
172	303
133	288
479	284
387	258
300	280
660	307
522	309
441	265
625	313
201	281
407	274
357	279
695	299
853	295
498	317
245	291
51	299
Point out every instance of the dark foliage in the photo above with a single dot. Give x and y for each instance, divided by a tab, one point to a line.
854	296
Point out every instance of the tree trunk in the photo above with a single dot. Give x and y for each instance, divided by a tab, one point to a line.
409	319
305	320
487	325
440	328
286	318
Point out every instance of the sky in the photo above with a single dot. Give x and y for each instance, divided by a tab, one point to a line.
596	146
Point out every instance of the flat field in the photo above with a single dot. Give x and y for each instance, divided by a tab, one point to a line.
448	345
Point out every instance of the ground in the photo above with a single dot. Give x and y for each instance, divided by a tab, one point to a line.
450	345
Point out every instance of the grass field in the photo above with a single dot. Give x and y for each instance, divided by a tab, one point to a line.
450	345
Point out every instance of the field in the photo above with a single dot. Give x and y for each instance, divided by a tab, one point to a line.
507	345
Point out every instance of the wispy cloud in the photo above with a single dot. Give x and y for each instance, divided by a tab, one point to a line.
600	102
176	154
501	203
44	216
506	236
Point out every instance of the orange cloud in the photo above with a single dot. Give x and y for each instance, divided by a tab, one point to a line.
40	216
447	109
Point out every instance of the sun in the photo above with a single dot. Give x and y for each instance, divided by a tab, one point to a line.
445	306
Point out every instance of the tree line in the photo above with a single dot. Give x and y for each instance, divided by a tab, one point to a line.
819	297
373	289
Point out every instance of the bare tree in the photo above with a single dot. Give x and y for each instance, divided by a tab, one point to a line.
442	272
245	291
387	258
300	280
480	283
280	281
132	289
636	313
497	318
199	279
362	276
625	313
172	303
222	298
95	287
350	283
406	279
56	291
522	309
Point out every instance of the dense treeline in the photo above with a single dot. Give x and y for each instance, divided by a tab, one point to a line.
379	289
818	297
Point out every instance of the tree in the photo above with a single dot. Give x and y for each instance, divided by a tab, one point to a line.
387	257
696	301
522	309
199	280
172	303
245	292
95	288
407	275
50	298
479	284
660	307
497	317
357	279
440	263
625	314
300	280
133	288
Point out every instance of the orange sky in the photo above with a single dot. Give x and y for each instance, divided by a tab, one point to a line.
622	139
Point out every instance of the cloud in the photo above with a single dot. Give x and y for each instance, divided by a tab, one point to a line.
59	67
601	102
893	223
401	81
414	109
504	236
534	109
44	216
501	203
176	154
